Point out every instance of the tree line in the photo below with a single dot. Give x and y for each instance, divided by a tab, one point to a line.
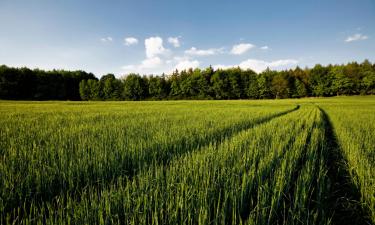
349	79
27	84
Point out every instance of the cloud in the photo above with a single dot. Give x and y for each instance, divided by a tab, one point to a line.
150	63
203	52
153	63
283	62
223	67
154	46
356	37
156	65
130	41
106	39
187	64
241	48
146	66
174	41
129	67
260	65
264	47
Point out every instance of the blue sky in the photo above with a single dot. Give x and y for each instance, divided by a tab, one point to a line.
147	36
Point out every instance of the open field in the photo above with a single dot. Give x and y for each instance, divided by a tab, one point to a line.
303	161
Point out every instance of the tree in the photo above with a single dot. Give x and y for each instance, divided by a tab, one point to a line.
320	81
175	91
341	84
134	87
264	83
84	90
234	83
367	71
253	87
186	84
94	87
219	85
280	86
368	83
158	87
300	89
204	82
353	72
245	78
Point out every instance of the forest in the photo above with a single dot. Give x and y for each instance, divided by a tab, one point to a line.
27	84
347	79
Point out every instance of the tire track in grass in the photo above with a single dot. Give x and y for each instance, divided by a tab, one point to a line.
155	158
285	200
343	197
168	154
274	204
304	199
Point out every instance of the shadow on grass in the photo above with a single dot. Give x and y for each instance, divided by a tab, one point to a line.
343	197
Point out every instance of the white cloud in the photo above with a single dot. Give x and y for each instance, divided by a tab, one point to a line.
260	65
223	67
130	41
128	67
356	37
156	65
174	41
264	47
283	62
187	64
150	63
203	52
153	63
154	46
241	48
106	39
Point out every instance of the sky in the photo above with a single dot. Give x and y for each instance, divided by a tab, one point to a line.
159	36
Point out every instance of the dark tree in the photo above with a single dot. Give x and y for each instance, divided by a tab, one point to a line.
234	83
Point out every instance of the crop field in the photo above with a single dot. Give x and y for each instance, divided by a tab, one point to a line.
301	161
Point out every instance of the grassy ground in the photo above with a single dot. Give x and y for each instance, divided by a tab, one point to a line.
305	161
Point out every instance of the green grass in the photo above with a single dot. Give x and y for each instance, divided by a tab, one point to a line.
185	162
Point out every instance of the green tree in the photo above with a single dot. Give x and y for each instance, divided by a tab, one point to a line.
94	88
157	87
204	82
341	84
368	83
280	86
245	78
234	83
186	84
264	83
84	90
175	91
320	81
253	87
300	89
219	85
134	87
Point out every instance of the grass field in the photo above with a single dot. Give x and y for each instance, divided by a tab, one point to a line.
305	161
